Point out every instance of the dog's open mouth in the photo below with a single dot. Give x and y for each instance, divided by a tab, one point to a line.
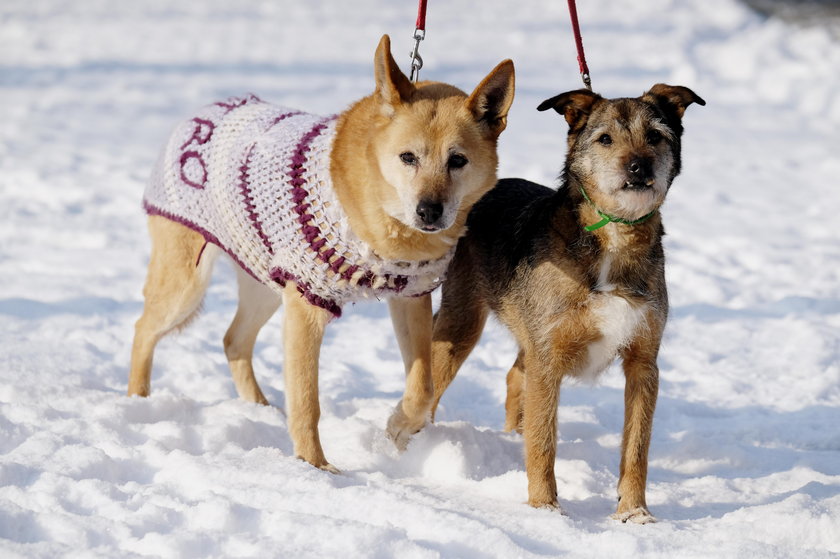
430	228
638	186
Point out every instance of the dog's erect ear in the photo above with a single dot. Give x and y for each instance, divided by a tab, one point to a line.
392	86
491	100
575	106
672	100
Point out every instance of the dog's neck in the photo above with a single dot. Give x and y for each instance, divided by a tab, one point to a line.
618	253
608	218
612	233
358	183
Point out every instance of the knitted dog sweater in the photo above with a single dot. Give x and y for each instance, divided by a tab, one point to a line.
254	179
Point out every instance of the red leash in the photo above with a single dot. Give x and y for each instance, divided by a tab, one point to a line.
419	35
584	69
421	16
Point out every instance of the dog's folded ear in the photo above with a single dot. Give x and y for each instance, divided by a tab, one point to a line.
677	96
672	100
575	106
392	86
491	100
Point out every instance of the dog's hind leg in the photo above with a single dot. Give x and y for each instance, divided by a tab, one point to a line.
179	271
457	328
515	390
257	303
640	393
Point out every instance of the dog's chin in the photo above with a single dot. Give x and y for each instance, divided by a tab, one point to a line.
431	229
414	222
638	186
410	219
636	199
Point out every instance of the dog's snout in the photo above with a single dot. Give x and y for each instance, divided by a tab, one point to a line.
429	211
640	168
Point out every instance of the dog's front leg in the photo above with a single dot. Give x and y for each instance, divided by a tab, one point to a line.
542	392
412	318
303	331
640	392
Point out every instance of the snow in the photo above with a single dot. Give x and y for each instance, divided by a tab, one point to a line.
745	457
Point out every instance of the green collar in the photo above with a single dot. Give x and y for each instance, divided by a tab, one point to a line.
607	218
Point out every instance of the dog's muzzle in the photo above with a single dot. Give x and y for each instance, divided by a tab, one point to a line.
429	213
640	174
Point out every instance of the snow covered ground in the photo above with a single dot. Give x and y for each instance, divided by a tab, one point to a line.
745	459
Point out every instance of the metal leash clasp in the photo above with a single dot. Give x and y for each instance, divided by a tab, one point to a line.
416	59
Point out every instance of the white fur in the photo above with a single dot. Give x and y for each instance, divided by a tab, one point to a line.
604	284
618	321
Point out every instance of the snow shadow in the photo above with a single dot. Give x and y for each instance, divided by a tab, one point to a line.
31	309
792	305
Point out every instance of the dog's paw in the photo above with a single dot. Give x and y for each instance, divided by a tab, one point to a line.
552	506
638	515
330	468
321	465
400	428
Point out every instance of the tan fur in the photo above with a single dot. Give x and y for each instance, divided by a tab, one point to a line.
173	292
430	120
376	190
574	300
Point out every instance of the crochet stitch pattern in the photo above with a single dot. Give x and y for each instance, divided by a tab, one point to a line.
254	179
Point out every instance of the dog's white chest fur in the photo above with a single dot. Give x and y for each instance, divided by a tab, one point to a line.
615	318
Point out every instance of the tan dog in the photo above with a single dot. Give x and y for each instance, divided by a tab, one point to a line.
370	204
577	275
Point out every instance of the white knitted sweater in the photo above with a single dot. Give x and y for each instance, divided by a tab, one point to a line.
254	179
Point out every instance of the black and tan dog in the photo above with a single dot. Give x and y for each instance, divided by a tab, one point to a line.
577	275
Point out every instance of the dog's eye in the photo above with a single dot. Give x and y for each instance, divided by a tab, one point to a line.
456	161
653	137
408	158
605	139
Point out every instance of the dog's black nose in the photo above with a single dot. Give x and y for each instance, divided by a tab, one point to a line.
429	211
640	168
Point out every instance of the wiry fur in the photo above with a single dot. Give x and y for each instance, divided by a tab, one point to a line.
383	198
575	300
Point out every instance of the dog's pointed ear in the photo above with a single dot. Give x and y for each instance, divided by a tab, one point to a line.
672	100
392	86
491	100
575	106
